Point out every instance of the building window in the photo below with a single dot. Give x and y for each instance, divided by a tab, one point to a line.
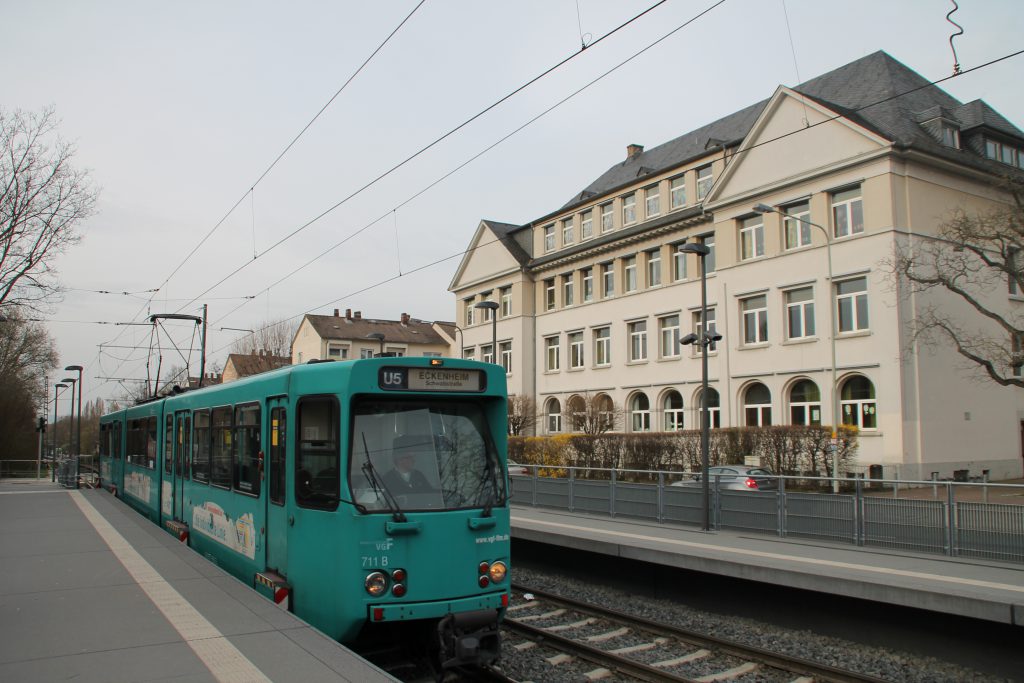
857	402
751	237
950	134
805	403
486	314
608	279
469	312
709	260
709	330
607	217
567	290
672	408
755	319
549	237
588	284
713	407
677	191
549	294
576	350
506	301
638	340
469	354
852	304
487	353
586	224
652	197
704	182
336	352
629	273
800	313
567	232
847	213
640	412
654	268
505	349
1004	153
629	208
553	411
603	347
366	353
669	335
551	354
678	263
757	406
576	411
797	225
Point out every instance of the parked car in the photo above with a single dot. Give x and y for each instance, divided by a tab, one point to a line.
517	470
737	478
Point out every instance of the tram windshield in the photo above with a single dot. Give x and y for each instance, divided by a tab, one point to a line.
423	455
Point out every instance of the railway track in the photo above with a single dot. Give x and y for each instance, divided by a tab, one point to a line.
600	643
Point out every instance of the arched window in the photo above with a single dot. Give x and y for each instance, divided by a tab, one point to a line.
757	405
672	405
577	414
805	403
640	412
605	411
857	403
553	412
714	409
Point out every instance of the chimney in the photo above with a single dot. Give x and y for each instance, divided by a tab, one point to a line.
348	314
405	318
358	315
335	312
633	151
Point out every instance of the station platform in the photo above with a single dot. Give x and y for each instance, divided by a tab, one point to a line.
964	587
92	591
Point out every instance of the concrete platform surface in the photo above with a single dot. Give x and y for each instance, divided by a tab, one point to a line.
95	592
965	587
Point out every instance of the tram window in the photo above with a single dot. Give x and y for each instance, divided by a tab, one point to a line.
142	442
116	441
246	449
220	452
151	442
316	462
105	441
278	439
168	444
201	446
182	453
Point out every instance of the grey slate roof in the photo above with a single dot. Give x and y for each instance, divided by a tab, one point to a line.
341	327
506	232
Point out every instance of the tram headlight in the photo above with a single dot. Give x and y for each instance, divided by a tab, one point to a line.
498	571
376	583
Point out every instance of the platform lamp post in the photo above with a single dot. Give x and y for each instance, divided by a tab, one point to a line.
491	306
53	453
836	417
78	438
379	336
705	339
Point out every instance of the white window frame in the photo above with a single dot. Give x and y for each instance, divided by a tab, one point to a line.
576	351
802	311
469	313
602	347
568	235
486	353
852	313
796	226
652	201
697	329
637	341
588	284
807	407
607	280
677	192
639	418
469	353
678	263
568	291
364	353
607	217
554	417
505	349
629	275
675	418
549	294
587	224
751	238
854	410
506	301
629	208
705	181
549	237
668	334
754	313
845	206
708	241
654	268
552	353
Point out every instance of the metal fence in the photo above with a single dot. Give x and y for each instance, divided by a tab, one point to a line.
922	516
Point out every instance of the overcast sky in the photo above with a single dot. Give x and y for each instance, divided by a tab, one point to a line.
179	107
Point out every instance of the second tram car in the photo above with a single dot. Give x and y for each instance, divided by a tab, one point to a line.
362	495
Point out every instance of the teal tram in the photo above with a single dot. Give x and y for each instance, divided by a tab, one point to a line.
366	496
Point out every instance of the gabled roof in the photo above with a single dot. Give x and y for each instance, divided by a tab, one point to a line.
506	233
336	327
247	364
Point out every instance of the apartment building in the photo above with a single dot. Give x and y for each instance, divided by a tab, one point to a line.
343	337
594	296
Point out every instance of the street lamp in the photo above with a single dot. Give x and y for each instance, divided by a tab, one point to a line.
491	306
53	454
379	336
78	439
705	339
71	431
836	417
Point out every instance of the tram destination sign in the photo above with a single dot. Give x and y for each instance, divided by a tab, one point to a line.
431	379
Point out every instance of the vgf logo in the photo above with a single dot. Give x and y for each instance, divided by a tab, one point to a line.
392	378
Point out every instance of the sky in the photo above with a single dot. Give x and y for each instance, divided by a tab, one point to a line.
178	110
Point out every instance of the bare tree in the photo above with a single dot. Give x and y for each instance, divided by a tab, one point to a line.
27	354
43	198
274	336
593	414
522	414
977	259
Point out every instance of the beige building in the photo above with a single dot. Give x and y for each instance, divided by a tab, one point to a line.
595	296
337	337
239	365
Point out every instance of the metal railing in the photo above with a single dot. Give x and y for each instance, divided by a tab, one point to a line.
952	518
24	469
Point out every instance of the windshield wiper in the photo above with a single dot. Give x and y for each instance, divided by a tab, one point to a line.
371	474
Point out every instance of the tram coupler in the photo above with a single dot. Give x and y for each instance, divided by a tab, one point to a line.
469	638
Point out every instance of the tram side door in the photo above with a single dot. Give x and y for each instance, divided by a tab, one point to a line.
276	477
182	442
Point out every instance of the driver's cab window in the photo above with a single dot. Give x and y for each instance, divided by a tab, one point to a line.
316	461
